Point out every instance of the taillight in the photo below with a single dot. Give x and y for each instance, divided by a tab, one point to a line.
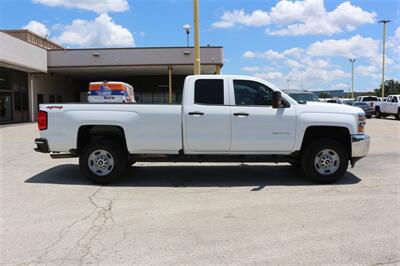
42	120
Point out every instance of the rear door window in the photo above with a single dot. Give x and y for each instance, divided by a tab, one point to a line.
370	99
209	91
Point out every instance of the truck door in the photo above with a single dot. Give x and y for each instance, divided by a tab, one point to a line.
386	105
394	105
206	114
256	126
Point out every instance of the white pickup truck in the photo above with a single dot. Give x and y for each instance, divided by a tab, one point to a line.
389	107
222	119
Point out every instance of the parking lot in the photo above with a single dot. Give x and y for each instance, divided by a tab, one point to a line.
199	213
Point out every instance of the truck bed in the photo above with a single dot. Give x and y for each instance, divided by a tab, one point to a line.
146	126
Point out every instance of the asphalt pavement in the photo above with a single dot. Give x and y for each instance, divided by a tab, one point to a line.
198	213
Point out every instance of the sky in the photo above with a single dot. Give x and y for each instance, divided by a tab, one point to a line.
293	44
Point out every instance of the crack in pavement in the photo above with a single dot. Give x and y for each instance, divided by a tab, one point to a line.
73	247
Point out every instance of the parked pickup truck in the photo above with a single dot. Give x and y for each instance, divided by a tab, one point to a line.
221	119
389	107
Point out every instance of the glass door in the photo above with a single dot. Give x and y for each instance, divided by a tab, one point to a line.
5	107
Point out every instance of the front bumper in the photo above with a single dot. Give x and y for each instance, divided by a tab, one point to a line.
42	145
359	146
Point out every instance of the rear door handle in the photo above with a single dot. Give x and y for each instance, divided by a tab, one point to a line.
196	113
241	114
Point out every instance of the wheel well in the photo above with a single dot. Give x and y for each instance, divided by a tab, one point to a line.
340	134
89	133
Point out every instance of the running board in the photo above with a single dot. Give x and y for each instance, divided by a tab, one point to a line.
211	158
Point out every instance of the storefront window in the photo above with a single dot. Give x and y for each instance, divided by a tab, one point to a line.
5	107
5	79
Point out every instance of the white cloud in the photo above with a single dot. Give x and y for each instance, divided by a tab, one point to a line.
340	86
273	75
231	18
292	63
100	32
308	17
368	71
355	47
394	41
98	6
250	68
37	27
249	54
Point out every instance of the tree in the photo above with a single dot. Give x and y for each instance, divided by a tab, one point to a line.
391	87
324	95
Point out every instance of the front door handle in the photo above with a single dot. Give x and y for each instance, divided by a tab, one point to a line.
241	114
196	113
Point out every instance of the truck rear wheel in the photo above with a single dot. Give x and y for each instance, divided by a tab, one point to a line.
324	161
103	161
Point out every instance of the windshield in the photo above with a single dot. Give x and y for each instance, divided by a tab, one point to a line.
304	97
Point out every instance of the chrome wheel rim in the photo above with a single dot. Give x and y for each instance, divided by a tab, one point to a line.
327	162
101	162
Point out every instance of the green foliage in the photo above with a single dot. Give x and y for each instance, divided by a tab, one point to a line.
391	87
324	95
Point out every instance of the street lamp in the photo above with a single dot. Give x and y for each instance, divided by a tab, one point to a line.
383	56
352	76
187	27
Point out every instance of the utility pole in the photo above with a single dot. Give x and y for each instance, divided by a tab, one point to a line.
383	56
352	76
301	79
197	65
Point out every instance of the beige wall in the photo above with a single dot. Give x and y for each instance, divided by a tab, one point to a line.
21	55
56	85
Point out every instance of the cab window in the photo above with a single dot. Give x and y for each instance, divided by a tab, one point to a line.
249	92
209	91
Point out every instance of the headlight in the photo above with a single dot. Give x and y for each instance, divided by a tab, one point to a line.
360	122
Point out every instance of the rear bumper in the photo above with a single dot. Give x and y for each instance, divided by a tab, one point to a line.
42	145
359	146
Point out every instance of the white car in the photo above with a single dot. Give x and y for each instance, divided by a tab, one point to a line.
373	101
221	119
389	107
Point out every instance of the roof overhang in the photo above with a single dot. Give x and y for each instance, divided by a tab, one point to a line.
124	62
21	55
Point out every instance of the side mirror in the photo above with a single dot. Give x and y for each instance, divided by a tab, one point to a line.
276	99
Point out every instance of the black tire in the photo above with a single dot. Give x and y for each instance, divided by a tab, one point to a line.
377	113
369	116
314	149
113	149
398	115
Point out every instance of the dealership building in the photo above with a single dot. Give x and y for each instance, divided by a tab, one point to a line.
35	70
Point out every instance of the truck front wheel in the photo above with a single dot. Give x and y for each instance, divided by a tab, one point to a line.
324	161
103	161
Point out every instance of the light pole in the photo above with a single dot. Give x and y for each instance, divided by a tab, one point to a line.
352	76
187	27
197	65
383	56
288	80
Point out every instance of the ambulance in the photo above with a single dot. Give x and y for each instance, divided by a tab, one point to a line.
111	92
